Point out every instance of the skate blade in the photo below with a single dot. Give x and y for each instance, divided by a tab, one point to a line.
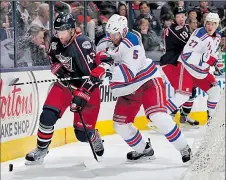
32	163
142	160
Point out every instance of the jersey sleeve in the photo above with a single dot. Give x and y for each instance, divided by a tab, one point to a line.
84	53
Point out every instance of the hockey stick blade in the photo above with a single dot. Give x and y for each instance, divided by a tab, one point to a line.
14	81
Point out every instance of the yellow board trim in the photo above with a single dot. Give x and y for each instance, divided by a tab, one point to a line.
18	148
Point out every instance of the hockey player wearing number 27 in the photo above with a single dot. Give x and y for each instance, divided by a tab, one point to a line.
198	55
136	81
71	55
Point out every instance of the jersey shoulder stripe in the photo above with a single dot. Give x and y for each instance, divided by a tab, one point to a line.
130	40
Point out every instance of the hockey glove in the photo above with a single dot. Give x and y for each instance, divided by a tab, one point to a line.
219	68
103	57
81	97
58	70
104	62
212	61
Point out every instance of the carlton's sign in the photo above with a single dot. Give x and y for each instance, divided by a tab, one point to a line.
18	110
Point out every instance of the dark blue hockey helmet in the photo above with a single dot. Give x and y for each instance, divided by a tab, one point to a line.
64	21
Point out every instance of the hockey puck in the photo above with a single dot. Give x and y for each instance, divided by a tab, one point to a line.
10	167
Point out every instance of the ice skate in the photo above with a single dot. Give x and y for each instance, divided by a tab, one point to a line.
148	154
97	143
186	154
36	156
187	122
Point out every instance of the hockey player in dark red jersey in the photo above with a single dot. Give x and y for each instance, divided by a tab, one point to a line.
71	55
175	38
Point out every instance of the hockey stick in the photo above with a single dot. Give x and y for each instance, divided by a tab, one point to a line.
14	81
83	123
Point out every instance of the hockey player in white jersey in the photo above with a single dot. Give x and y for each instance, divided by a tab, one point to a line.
136	81
198	55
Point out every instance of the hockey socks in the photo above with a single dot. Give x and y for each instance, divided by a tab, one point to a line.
131	136
45	134
169	128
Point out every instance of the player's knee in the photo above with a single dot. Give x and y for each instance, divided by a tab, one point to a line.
214	93
159	116
49	117
81	135
163	121
118	127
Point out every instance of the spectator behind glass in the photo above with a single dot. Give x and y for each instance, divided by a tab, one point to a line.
192	15
151	42
193	24
31	48
42	20
122	9
6	30
204	14
145	13
180	4
33	9
4	18
22	17
202	8
136	11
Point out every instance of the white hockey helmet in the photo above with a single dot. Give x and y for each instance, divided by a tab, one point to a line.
212	17
117	24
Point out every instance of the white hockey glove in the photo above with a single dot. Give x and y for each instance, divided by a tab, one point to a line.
219	68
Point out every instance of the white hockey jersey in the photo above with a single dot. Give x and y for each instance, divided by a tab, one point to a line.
198	51
132	69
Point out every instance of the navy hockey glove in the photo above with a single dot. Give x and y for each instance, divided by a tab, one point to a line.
58	70
81	97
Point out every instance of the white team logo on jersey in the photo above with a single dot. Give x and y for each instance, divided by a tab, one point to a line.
53	45
86	45
66	61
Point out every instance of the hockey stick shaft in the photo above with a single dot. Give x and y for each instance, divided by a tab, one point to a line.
84	126
14	81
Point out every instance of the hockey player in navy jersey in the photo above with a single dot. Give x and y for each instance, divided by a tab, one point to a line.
136	81
198	55
71	55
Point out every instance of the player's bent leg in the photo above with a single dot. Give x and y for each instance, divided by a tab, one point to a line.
176	101
214	94
172	132
48	119
133	138
94	137
185	120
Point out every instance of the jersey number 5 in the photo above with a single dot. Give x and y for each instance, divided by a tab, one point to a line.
135	54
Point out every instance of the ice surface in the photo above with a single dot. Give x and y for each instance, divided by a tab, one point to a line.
67	162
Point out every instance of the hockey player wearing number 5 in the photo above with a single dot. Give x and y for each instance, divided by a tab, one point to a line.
175	38
136	81
198	55
71	55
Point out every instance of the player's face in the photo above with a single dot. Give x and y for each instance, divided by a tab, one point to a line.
211	27
180	19
64	36
115	38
